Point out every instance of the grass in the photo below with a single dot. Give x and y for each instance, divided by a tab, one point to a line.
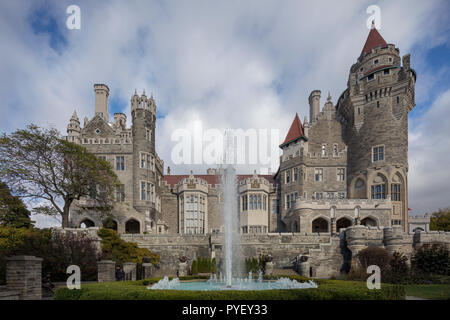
429	291
137	290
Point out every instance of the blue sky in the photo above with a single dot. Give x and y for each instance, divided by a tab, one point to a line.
230	64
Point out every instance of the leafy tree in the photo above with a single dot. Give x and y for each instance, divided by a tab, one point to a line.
13	212
39	164
434	259
440	220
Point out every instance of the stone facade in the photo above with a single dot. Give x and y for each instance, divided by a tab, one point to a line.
106	271
24	276
346	166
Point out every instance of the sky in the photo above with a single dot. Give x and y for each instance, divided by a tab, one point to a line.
229	64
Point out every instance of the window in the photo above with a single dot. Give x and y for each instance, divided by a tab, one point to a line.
395	191
378	104
264	202
324	151
146	191
318	174
396	222
370	77
245	203
120	193
378	153
274	206
288	201
378	191
194	215
330	195
120	163
398	100
295	174
375	61
386	72
341	174
147	161
102	157
148	135
319	195
341	195
359	109
288	176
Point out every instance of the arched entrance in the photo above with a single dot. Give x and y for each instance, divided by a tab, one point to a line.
418	229
343	223
110	223
87	223
369	222
320	225
132	226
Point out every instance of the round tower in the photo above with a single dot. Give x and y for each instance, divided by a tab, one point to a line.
374	108
146	175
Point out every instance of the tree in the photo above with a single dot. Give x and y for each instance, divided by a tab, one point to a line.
13	212
440	220
39	164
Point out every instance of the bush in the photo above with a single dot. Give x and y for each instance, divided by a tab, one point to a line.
204	265
374	256
398	271
58	252
252	265
433	260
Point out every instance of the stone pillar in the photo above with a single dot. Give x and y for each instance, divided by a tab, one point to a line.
106	271
356	237
182	270
147	270
130	271
333	225
305	268
393	238
24	274
268	270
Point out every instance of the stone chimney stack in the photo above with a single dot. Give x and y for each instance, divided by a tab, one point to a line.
314	105
101	100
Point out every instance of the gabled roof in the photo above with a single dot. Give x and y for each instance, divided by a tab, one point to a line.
374	39
295	131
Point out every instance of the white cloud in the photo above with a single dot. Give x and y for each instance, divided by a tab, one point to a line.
231	64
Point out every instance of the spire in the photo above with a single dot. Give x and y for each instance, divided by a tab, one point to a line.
75	116
295	131
374	39
329	97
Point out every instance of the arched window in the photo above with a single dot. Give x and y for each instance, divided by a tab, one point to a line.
369	222
87	223
132	226
320	225
343	223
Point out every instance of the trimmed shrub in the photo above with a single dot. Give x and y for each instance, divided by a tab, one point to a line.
374	256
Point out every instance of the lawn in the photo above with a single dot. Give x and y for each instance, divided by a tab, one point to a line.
137	290
429	291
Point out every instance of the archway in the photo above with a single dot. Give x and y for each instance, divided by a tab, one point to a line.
87	223
343	222
110	223
132	226
418	229
369	222
320	225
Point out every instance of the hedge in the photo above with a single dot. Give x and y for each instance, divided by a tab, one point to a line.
137	290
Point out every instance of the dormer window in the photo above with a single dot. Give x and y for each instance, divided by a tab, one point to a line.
375	61
370	77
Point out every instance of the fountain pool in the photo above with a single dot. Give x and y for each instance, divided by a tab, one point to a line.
236	284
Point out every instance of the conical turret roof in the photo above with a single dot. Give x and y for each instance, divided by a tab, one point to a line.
374	39
295	131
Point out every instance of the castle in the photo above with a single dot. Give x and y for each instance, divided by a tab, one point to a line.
346	166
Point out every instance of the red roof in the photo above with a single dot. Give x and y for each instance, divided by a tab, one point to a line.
212	179
296	130
374	39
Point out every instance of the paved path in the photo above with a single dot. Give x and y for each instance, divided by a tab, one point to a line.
414	298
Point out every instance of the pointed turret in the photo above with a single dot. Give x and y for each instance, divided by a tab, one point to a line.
295	132
374	39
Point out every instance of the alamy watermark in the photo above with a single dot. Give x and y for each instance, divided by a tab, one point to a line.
374	280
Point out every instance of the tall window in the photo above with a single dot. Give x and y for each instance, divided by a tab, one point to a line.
120	163
378	191
147	191
341	174
395	191
148	135
147	161
318	174
120	193
378	153
194	215
244	203
324	152
295	174
335	146
288	176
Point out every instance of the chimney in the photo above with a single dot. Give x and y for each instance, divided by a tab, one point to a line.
168	171
101	100
314	105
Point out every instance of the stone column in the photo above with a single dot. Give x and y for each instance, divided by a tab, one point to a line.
24	274
130	271
182	269
268	270
106	271
147	270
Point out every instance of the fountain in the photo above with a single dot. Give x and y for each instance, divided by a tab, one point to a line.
232	252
